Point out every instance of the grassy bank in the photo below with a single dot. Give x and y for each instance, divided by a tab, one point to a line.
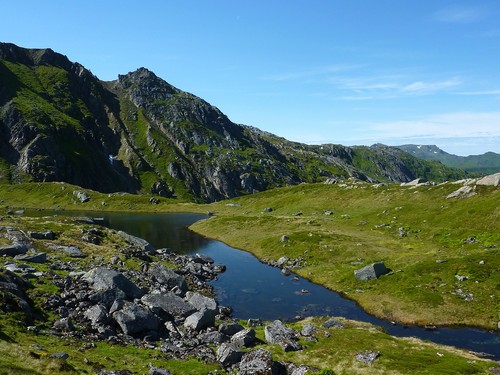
429	242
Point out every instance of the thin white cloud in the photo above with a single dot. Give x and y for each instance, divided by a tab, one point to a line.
322	70
485	92
364	88
448	125
428	87
462	15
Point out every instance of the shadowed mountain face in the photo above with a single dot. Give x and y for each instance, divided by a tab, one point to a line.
58	122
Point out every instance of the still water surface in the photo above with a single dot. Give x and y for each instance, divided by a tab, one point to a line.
256	290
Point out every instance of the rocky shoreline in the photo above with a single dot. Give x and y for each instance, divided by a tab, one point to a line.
154	306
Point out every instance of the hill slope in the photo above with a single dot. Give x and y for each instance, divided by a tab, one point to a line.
58	122
487	163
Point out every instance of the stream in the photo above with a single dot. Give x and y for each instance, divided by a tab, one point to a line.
256	290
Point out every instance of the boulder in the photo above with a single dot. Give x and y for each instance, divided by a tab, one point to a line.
32	258
257	362
48	235
308	330
214	337
278	333
169	303
491	180
101	280
244	338
167	277
64	324
415	182
200	302
228	354
136	241
134	319
200	320
371	271
230	328
96	314
13	250
464	192
158	371
72	251
81	195
333	323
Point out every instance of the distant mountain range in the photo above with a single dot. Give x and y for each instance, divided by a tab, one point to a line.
484	164
139	134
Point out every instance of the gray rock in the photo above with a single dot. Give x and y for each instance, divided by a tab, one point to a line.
135	319
491	180
13	250
230	328
200	320
32	258
72	251
257	362
284	238
96	314
308	330
48	235
81	195
415	182
136	241
277	333
463	192
62	355
367	356
158	371
64	324
167	277
169	303
244	338
102	279
214	337
333	323
200	302
228	354
371	271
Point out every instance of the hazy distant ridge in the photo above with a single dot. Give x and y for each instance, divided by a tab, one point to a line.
486	163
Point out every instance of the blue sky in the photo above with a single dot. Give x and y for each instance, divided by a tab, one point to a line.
315	71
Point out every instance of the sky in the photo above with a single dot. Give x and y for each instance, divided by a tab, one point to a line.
351	72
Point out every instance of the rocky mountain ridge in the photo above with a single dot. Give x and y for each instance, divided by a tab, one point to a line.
58	122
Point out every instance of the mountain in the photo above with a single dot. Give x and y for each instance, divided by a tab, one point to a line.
487	163
139	134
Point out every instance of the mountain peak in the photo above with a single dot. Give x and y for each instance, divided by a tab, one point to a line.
32	56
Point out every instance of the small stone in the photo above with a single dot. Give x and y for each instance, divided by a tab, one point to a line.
367	356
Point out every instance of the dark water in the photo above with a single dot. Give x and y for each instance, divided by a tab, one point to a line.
256	290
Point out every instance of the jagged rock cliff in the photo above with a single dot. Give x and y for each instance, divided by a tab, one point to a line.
58	122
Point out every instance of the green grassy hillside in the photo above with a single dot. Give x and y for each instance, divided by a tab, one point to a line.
424	238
